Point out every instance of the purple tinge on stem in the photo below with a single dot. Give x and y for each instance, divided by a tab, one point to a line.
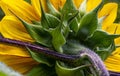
40	49
96	61
92	57
114	73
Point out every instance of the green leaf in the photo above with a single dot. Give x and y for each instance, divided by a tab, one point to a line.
48	20
64	70
38	33
105	52
42	70
65	29
88	25
72	47
41	58
58	40
101	41
68	10
74	25
52	10
74	21
36	23
52	20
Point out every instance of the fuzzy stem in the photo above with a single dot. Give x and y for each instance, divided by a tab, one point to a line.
96	62
71	59
42	50
114	73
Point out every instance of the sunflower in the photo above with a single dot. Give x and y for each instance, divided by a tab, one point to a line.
13	28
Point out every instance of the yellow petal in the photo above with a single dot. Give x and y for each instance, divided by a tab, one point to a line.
110	11
11	27
20	64
77	3
114	29
113	62
20	8
58	3
36	6
91	4
13	50
117	41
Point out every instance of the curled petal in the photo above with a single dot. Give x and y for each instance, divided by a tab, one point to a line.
20	8
109	10
24	64
91	4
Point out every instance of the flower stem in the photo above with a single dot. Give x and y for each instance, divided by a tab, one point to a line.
71	59
40	49
114	73
96	62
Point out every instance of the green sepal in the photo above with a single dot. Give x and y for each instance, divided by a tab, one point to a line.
64	70
72	47
105	52
42	70
48	20
58	40
52	20
68	10
38	33
102	42
52	10
88	25
65	29
74	21
101	39
41	58
36	22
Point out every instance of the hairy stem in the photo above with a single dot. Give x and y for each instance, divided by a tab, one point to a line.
97	63
71	59
42	50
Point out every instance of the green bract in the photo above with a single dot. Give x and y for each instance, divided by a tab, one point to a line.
68	31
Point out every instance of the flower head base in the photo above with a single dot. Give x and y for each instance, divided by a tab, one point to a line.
69	30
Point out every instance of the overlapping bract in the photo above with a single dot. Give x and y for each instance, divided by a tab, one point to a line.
69	31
